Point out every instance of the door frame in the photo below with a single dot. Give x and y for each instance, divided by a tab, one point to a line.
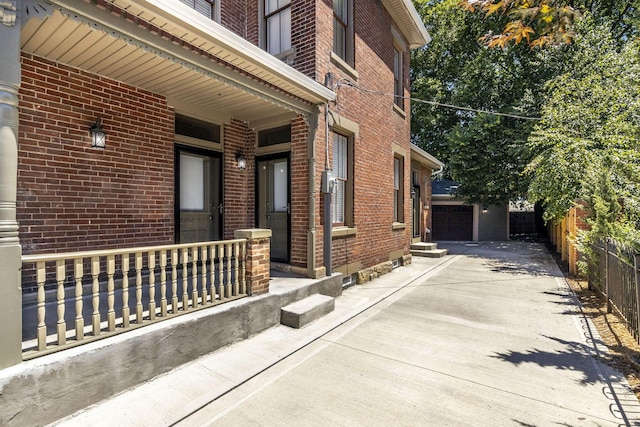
416	214
178	148
276	156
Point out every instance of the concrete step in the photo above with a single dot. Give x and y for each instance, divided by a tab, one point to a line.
424	246
305	311
432	253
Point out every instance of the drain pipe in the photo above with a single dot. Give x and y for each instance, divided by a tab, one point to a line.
312	124
327	187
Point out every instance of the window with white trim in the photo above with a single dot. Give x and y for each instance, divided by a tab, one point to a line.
277	17
398	74
398	189
342	198
208	8
343	30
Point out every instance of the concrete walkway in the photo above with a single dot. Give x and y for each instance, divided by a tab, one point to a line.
488	336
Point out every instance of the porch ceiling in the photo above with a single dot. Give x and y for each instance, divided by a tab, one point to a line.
192	70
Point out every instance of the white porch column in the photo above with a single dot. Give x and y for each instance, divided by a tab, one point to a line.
10	250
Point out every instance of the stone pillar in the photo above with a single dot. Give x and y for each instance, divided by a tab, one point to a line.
10	250
258	259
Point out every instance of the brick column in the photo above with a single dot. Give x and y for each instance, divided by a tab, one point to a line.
258	259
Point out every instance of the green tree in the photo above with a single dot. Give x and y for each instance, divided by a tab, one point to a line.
588	141
488	157
486	154
542	23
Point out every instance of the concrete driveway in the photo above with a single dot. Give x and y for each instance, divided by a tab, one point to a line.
490	335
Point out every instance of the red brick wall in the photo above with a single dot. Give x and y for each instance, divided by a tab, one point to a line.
303	33
233	16
73	197
239	192
379	126
299	193
303	36
258	265
252	21
582	212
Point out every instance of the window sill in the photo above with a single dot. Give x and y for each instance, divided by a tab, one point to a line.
340	63
398	226
343	231
287	56
399	111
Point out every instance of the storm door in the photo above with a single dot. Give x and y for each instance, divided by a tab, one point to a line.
416	223
199	201
273	204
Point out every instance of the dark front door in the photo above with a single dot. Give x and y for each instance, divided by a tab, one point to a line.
452	222
199	201
273	204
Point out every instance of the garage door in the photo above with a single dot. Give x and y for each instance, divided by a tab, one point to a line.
452	223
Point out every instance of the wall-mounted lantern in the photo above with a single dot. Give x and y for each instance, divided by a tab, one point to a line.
98	136
242	162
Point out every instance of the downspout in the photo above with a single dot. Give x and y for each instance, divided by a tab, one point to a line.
327	187
312	124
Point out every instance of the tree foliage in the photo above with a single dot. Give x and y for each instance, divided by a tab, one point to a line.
588	141
541	23
488	158
485	154
586	145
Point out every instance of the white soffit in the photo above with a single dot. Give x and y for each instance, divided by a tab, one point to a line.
422	157
410	23
215	71
209	35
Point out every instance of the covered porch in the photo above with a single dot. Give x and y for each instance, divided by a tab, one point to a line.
132	67
96	228
63	382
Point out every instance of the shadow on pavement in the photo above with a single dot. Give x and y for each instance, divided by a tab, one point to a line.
575	357
510	257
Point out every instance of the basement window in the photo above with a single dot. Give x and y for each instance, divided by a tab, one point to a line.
349	280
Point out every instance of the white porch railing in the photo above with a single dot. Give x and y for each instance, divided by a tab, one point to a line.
84	296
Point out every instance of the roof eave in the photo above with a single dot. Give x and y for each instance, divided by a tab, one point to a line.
409	22
425	158
317	93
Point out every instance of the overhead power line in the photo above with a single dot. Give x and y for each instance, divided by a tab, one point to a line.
495	113
345	82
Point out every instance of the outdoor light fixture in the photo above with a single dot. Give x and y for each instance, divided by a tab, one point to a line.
98	137
242	162
484	209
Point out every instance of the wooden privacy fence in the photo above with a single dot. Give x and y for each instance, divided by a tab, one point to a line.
83	296
613	271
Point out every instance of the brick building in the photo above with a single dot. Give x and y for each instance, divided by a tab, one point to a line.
218	115
423	168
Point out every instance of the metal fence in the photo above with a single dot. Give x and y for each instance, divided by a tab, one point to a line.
613	270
